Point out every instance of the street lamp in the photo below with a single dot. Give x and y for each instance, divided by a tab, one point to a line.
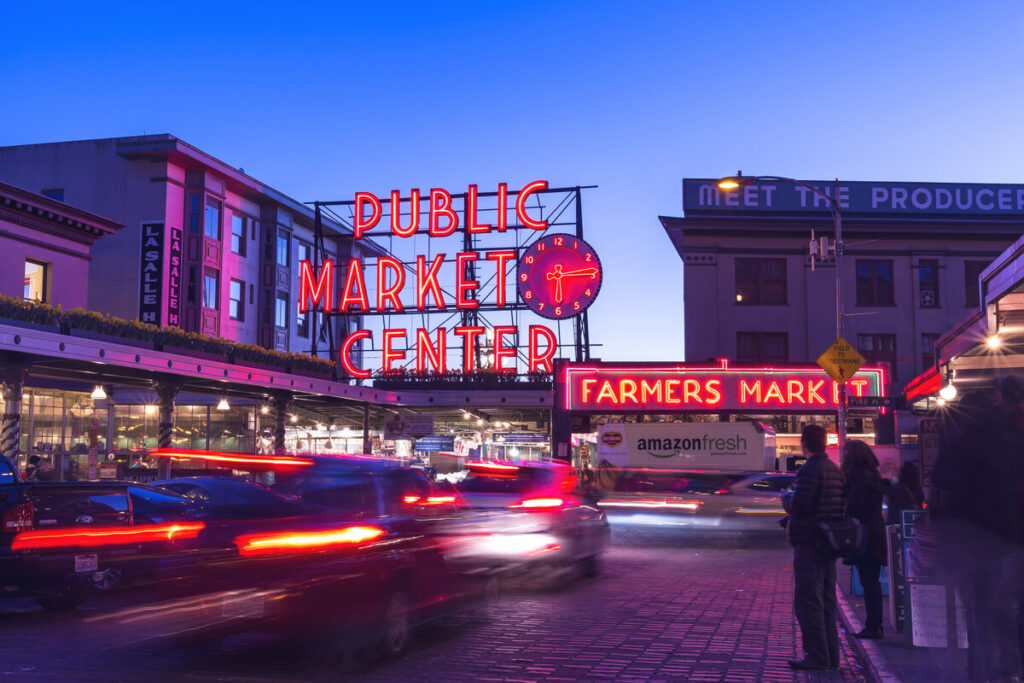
739	180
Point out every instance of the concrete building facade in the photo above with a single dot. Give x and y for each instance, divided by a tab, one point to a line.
911	259
205	246
45	248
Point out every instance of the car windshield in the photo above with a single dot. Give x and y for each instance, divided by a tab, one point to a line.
526	479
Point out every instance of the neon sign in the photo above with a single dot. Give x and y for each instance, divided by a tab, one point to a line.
558	277
614	388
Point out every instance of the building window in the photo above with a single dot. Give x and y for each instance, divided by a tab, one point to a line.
928	341
211	222
303	251
238	234
56	193
211	289
762	347
928	278
36	273
874	283
972	273
761	281
281	312
282	248
193	214
236	300
879	348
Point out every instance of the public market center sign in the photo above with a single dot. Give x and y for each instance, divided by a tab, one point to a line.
557	276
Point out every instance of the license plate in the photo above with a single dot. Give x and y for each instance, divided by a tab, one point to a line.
85	563
243	605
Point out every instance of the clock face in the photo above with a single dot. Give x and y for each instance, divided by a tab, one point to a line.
559	276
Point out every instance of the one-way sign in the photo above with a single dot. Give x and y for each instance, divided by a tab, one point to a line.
870	401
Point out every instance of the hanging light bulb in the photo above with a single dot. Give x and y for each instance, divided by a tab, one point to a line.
264	410
295	418
223	405
98	393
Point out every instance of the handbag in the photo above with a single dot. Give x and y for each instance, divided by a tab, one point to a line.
845	536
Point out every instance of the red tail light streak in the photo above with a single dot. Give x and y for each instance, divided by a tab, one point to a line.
104	536
305	541
233	458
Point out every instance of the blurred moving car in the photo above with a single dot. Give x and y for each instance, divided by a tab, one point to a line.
531	515
59	540
354	561
698	499
226	497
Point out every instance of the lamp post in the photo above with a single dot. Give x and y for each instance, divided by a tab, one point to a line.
739	180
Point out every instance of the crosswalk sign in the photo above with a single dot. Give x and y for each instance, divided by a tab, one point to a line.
841	360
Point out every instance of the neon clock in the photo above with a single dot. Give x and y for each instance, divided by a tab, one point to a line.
559	276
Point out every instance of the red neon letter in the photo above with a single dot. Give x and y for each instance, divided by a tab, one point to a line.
712	386
586	386
812	392
502	257
441	205
414	214
384	264
794	391
521	198
543	360
354	278
500	351
346	347
362	224
627	389
468	334
462	283
424	349
649	389
324	289
746	390
471	202
390	355
426	280
502	207
670	386
858	386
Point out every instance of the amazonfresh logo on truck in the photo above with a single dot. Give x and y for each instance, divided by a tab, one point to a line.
705	443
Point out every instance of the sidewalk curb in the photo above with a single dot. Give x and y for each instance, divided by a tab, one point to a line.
876	666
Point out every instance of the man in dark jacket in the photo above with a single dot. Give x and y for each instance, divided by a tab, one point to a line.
820	495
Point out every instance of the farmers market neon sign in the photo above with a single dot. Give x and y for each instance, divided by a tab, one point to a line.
400	287
672	388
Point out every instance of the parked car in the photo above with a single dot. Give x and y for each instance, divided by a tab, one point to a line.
697	499
533	517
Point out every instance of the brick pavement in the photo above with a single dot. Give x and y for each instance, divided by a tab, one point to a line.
658	612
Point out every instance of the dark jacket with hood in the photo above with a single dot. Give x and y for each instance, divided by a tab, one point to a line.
819	495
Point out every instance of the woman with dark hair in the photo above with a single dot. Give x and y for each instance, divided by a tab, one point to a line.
866	487
905	493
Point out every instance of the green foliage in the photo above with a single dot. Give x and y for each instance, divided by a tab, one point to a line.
160	337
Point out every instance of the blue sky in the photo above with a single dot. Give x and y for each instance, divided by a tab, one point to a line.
322	100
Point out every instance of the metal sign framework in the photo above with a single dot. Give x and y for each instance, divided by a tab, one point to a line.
562	208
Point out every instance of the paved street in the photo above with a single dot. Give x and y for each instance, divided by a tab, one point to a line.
709	611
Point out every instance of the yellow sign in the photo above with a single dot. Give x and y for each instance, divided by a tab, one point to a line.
841	360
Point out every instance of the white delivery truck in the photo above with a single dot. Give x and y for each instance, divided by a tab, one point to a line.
718	446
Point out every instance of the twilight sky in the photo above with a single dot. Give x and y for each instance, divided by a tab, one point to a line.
323	100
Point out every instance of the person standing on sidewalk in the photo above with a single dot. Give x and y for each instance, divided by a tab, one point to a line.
905	493
819	496
866	487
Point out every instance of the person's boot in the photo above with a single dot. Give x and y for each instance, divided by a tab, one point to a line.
806	664
869	633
